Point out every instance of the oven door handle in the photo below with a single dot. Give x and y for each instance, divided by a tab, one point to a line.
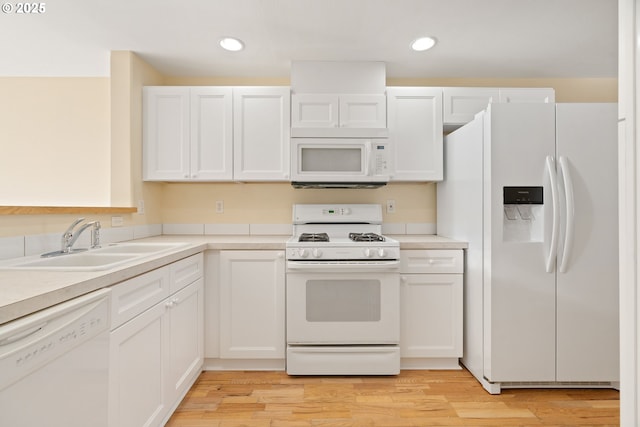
344	266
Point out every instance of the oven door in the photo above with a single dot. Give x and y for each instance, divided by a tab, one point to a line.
342	304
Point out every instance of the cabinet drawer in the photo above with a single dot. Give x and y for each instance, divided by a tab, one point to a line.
132	297
431	261
186	271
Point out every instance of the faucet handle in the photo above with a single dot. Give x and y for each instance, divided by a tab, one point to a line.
95	235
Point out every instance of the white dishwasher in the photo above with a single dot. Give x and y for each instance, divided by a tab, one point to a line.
54	365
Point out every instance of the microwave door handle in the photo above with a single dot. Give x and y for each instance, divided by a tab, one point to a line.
367	154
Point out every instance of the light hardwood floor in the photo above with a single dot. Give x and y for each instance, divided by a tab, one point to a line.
414	398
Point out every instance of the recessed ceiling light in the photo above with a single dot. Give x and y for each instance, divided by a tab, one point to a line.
231	44
423	43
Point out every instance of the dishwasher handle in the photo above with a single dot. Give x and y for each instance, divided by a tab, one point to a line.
22	334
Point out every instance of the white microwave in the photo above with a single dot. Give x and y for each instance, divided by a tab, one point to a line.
340	162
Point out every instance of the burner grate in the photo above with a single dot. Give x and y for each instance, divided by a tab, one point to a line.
313	237
366	237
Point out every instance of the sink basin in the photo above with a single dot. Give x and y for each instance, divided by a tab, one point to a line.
94	259
137	248
85	261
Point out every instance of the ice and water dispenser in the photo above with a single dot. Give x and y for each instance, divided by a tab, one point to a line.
523	219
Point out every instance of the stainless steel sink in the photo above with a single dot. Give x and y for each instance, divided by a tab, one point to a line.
94	259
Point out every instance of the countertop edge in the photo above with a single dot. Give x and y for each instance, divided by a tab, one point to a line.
59	286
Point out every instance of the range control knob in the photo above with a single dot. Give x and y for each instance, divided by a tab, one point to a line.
317	253
381	252
368	253
303	253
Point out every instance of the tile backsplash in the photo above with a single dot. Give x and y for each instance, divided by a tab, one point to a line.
19	246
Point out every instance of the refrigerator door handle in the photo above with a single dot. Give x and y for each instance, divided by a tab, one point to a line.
570	213
553	247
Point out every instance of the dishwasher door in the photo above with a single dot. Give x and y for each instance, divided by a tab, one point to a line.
54	365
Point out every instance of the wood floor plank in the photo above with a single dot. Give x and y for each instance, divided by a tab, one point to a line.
413	398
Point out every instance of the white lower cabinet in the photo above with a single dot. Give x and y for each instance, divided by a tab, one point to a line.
252	304
135	371
156	347
431	308
185	353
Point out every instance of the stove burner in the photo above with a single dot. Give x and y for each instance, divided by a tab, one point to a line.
366	237
313	237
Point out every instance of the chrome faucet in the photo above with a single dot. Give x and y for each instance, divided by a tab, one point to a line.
70	236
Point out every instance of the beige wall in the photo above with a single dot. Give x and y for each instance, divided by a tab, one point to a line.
54	136
270	203
129	74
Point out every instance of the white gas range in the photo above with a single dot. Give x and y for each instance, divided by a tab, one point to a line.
340	233
343	295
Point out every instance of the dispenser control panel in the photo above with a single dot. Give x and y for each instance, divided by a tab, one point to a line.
522	195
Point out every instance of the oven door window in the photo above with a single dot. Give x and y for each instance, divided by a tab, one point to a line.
356	300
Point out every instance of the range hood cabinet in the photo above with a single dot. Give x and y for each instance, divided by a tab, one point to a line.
338	100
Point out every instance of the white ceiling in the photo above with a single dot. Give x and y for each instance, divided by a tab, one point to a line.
476	38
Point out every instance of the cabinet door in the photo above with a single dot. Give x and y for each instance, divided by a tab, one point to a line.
314	111
261	133
544	95
431	315
186	339
252	305
363	111
461	104
211	133
166	137
136	365
415	130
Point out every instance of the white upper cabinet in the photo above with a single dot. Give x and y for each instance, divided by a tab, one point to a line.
166	133
187	133
415	132
338	111
211	133
314	111
532	94
261	133
461	104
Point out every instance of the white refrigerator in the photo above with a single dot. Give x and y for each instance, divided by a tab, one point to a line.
533	189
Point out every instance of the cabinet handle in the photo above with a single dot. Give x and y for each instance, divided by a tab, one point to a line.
172	303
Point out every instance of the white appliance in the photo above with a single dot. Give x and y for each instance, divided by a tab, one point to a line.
533	189
54	365
343	293
340	162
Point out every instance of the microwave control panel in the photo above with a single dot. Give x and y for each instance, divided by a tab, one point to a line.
381	159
